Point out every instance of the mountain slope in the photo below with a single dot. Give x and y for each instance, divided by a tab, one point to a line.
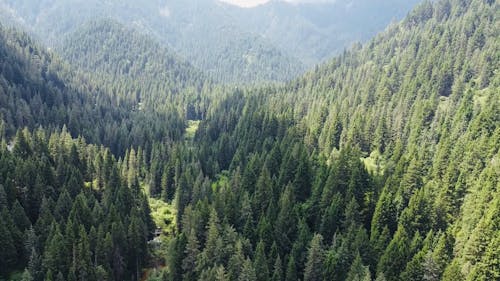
382	163
271	42
38	89
315	32
148	73
211	43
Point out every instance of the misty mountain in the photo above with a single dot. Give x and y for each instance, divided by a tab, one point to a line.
316	31
271	42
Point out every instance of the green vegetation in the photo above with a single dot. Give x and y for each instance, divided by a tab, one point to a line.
191	129
163	215
232	45
374	163
382	164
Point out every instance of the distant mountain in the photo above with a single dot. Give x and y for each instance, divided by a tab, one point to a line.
109	49
212	43
317	31
271	42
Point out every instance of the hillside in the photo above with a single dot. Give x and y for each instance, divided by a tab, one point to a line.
381	164
213	44
271	42
40	90
140	69
316	31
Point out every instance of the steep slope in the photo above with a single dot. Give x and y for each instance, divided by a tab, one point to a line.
108	47
148	74
38	89
382	163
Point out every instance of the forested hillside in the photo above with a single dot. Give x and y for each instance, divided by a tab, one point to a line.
272	42
382	164
67	213
315	31
138	69
199	30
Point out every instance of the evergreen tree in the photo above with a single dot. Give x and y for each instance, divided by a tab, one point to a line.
315	257
190	257
291	270
8	254
278	270
260	262
247	272
358	272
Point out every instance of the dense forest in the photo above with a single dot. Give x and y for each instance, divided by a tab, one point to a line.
121	161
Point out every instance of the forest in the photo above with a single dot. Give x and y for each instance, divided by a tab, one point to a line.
121	160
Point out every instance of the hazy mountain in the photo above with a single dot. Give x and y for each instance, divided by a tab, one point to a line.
268	42
317	30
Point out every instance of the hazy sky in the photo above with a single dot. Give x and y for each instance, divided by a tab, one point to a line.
253	3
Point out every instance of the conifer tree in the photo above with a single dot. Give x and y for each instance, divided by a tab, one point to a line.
277	271
315	258
291	270
247	272
260	262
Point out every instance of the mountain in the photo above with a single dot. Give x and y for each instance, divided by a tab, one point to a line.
212	43
39	89
316	31
381	164
271	42
148	73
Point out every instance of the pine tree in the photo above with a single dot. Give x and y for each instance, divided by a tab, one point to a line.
63	206
395	255
35	265
260	262
21	148
19	216
175	257
56	255
315	257
27	276
136	243
285	226
3	197
278	270
85	270
49	276
8	254
291	270
236	261
247	272
263	192
358	272
190	257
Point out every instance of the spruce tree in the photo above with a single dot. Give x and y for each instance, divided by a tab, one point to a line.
315	258
260	262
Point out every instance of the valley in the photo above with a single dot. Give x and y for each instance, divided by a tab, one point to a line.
126	156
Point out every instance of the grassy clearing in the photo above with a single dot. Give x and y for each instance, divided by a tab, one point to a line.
163	215
191	129
374	163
